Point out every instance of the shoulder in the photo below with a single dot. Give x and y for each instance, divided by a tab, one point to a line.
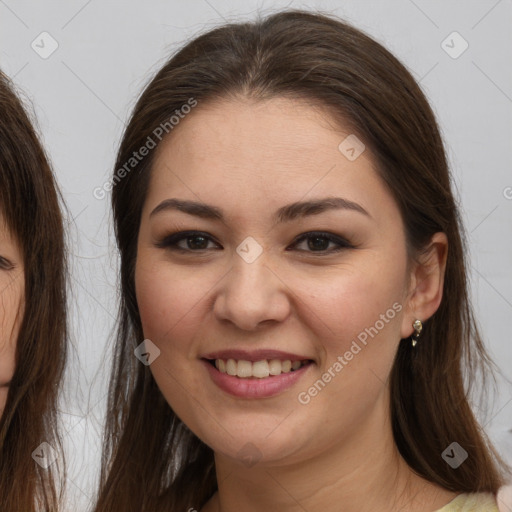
474	502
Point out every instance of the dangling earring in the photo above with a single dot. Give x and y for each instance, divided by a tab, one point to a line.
418	327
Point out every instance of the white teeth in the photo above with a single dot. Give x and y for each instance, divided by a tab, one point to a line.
231	367
296	365
260	369
274	366
244	369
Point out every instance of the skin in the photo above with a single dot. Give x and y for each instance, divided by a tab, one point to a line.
249	159
12	283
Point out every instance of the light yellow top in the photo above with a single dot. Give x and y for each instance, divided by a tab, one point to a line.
475	502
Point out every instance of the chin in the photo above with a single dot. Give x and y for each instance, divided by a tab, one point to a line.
269	443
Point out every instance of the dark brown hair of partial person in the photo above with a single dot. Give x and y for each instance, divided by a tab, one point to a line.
151	460
30	204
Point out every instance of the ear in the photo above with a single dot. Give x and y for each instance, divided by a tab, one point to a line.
426	283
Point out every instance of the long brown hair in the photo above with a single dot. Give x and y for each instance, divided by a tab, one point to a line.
323	60
29	202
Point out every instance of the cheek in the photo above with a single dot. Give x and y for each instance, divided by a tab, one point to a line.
11	314
172	310
348	303
7	354
355	318
169	298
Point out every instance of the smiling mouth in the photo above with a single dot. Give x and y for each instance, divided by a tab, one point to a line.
244	369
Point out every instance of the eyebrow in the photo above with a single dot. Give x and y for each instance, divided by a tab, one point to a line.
286	213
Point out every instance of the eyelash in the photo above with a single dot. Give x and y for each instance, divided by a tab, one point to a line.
5	264
170	242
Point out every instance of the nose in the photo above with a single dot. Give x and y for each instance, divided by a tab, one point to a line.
252	295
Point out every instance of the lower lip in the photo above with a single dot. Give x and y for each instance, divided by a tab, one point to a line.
253	387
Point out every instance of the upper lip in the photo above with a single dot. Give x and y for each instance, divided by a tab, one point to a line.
254	355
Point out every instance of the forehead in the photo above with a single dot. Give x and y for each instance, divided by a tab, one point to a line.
244	132
270	152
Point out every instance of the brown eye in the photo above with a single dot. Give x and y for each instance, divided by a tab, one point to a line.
5	264
318	242
195	241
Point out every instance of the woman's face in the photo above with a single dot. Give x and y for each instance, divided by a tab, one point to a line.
12	284
248	287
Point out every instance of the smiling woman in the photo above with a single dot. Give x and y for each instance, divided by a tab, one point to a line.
32	315
296	235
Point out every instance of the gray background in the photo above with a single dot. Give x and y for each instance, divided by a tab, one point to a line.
83	93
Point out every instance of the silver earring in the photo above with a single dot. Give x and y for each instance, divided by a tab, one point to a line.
418	327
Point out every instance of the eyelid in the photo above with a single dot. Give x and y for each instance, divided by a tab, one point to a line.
170	242
5	264
337	239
